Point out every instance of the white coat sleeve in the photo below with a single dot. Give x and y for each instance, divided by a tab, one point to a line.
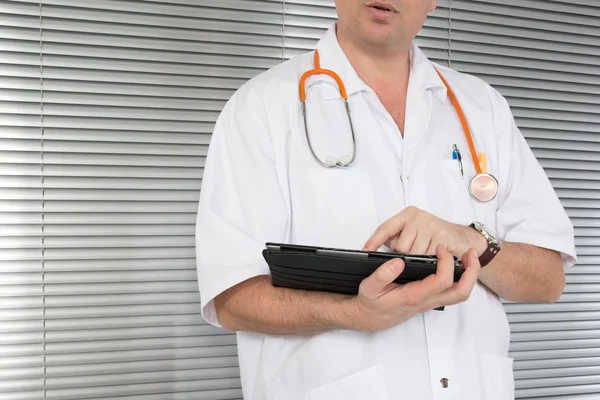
241	206
529	210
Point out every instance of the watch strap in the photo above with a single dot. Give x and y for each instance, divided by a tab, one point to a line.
488	255
492	249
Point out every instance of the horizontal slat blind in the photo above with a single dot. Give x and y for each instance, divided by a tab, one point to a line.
544	56
21	270
128	94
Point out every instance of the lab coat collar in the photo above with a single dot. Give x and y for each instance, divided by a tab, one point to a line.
423	73
333	58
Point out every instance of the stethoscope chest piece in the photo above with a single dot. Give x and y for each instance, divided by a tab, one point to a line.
483	187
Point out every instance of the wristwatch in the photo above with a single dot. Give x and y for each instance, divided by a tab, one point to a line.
494	244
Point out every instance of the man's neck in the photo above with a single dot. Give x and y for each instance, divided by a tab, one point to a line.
378	67
386	71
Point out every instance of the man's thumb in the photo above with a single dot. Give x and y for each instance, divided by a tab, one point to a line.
384	275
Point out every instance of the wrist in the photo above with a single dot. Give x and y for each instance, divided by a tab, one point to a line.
349	314
476	240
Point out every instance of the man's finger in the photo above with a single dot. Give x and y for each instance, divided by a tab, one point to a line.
421	243
375	284
390	242
432	247
405	241
461	291
388	229
444	276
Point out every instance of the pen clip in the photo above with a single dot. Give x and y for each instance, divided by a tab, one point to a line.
456	153
456	156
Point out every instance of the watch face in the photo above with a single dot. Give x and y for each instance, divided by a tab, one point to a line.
490	238
479	227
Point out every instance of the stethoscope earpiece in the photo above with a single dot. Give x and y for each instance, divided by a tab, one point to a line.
346	160
331	161
343	162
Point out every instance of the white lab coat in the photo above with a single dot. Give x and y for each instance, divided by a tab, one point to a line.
262	184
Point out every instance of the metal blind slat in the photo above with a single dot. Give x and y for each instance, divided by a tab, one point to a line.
24	395
558	373
120	311
72	371
196	354
130	333
106	302
104	392
116	218
97	381
77	349
218	394
566	364
119	276
548	392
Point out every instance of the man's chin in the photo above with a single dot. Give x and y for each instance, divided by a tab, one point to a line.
380	36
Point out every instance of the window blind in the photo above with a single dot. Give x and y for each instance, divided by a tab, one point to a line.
107	110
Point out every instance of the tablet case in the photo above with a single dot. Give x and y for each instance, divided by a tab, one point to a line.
340	270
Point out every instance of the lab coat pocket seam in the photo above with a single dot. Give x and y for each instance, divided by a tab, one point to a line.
455	185
368	383
497	377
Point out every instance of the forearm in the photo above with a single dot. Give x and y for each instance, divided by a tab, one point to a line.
525	273
256	306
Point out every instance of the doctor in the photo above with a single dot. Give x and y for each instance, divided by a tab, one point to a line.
406	189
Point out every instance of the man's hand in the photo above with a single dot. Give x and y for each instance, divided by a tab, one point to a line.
382	304
414	231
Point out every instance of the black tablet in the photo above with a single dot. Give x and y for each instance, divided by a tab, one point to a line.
340	270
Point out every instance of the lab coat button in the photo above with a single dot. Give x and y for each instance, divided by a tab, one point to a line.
445	382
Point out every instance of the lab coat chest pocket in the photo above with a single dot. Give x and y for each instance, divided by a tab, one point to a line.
458	207
366	384
498	377
462	207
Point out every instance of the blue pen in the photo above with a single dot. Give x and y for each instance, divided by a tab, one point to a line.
456	156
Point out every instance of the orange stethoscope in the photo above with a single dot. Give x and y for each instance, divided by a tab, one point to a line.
483	186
